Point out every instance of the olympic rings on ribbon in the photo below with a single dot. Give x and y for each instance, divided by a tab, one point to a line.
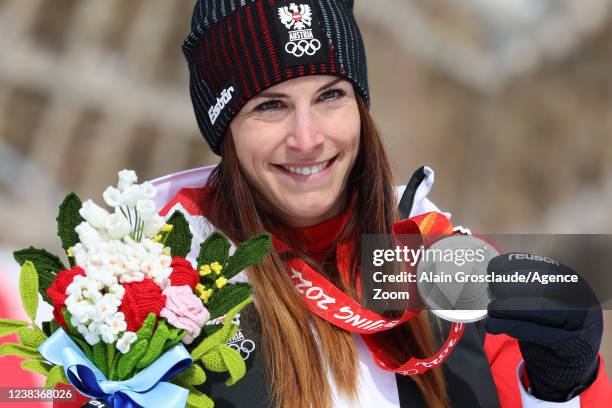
301	47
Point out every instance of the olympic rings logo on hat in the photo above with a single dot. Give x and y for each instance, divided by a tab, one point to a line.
301	47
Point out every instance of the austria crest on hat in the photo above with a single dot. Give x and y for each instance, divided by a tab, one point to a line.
300	32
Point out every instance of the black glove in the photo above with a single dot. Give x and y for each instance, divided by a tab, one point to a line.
558	325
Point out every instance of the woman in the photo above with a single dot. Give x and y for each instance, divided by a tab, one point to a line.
280	92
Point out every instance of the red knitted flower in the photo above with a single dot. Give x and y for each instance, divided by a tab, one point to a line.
57	291
183	273
140	299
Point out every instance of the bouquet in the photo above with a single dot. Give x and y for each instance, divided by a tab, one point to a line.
132	317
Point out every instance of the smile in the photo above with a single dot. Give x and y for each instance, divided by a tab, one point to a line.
308	170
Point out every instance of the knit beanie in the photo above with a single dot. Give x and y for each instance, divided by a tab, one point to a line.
238	48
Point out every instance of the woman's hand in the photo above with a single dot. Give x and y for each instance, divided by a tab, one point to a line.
558	325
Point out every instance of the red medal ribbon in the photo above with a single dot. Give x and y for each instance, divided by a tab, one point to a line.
330	303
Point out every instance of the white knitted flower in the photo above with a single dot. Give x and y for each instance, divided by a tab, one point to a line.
117	290
124	343
165	261
107	334
102	273
93	285
117	225
153	226
126	179
155	248
80	254
145	208
105	307
116	323
92	338
148	190
132	194
93	214
88	236
94	328
113	197
132	276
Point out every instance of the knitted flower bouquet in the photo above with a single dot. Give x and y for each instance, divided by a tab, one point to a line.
132	317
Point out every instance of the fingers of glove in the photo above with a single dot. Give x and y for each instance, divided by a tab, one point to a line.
542	311
528	267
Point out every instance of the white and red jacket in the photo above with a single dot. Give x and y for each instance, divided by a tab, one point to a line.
484	370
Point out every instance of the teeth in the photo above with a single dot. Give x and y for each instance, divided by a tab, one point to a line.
307	171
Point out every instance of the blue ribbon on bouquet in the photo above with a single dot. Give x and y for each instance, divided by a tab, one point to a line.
146	389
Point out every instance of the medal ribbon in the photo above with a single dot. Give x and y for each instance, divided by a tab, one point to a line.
330	303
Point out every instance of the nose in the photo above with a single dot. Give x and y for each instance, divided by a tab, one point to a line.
305	133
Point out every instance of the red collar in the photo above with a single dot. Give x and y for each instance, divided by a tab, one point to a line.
317	240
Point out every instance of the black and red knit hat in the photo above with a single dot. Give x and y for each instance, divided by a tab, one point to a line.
237	48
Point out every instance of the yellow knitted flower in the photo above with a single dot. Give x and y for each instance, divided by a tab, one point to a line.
203	293
69	252
216	266
205	270
221	282
167	228
157	238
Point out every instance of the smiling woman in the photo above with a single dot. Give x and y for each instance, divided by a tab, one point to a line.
280	92
297	143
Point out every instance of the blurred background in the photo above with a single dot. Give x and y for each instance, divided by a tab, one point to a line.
510	101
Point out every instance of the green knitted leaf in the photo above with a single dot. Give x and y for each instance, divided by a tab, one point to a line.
36	366
99	357
11	326
19	350
230	295
214	249
193	375
155	345
146	330
127	362
76	336
207	330
222	335
197	399
226	358
113	372
67	318
67	220
56	376
53	326
248	253
28	289
179	239
47	265
111	351
83	345
174	336
31	337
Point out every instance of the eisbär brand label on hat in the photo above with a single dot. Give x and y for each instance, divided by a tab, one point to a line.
300	33
222	100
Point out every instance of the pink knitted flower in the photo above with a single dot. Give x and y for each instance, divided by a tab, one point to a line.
184	310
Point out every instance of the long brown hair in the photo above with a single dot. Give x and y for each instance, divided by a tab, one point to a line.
297	345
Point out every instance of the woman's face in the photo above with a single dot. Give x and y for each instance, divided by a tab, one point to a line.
297	142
